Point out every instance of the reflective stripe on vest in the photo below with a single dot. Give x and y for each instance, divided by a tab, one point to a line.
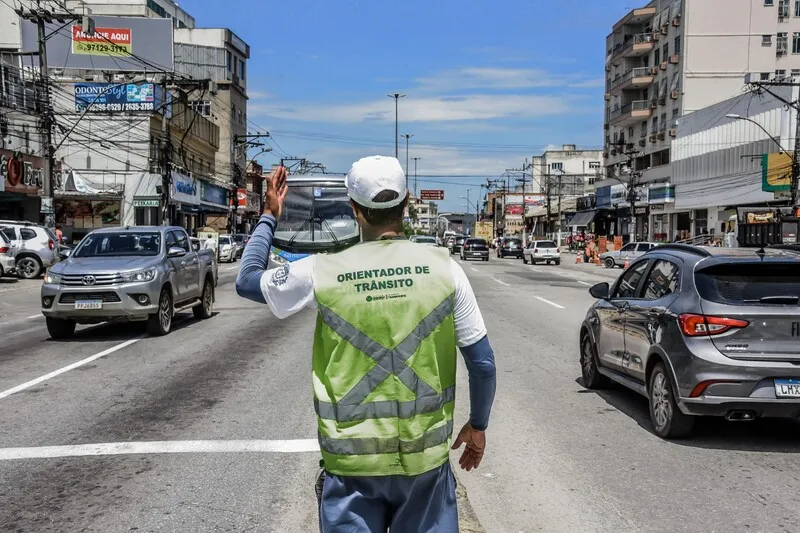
432	438
351	406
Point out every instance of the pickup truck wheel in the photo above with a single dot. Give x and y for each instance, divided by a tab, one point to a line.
609	262
205	308
28	267
59	328
160	322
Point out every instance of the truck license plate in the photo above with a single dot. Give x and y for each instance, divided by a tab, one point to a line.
787	388
88	304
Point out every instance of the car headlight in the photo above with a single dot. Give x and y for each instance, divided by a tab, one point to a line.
52	278
148	274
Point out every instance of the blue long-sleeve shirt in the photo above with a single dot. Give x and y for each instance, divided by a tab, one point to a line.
254	279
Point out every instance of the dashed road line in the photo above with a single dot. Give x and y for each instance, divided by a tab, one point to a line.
501	282
585	283
67	368
474	269
549	302
34	316
141	448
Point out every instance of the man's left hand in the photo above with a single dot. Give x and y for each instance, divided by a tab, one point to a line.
475	445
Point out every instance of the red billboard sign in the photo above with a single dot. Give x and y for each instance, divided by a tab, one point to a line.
514	209
104	41
431	194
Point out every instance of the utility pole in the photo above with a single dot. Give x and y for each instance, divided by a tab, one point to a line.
242	143
397	97
40	16
407	136
630	154
558	220
415	174
166	159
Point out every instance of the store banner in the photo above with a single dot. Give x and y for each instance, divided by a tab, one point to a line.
214	194
116	97
241	197
23	173
103	42
184	189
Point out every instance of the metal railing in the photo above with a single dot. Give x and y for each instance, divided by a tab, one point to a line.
637	72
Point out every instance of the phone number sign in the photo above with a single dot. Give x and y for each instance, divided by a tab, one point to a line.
115	97
104	41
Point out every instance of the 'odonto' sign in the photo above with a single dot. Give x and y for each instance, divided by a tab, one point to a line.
128	44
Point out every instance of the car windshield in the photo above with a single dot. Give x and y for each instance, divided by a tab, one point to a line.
119	244
224	240
475	242
238	238
512	241
426	240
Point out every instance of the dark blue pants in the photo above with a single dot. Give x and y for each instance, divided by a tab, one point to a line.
418	504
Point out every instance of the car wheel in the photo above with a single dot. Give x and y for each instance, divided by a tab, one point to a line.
205	308
160	322
60	328
668	421
549	262
524	261
558	262
609	262
28	267
592	378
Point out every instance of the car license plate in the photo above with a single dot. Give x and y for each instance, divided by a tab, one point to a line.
787	388
88	304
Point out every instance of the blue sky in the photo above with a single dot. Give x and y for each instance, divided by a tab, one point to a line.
487	83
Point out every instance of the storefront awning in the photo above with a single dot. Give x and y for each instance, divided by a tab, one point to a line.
582	218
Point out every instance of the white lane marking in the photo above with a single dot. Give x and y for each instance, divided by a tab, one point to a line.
585	283
474	269
501	282
535	269
186	446
67	368
34	316
549	302
232	268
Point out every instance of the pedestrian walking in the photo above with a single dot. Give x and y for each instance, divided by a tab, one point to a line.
390	314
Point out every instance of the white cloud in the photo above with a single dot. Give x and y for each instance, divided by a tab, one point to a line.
259	95
502	78
429	109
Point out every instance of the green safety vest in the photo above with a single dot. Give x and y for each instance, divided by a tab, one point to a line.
384	364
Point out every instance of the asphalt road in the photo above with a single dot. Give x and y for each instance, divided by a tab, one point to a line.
559	458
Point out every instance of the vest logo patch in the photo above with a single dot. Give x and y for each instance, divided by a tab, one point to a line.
280	276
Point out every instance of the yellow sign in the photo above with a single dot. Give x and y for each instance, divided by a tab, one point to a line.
776	172
483	230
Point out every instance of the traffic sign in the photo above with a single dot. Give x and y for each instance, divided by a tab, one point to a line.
431	194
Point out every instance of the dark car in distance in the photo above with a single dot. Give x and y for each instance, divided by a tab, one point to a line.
458	242
699	332
475	249
510	247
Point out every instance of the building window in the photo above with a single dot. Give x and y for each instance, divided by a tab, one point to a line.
780	74
157	9
678	42
782	43
594	164
797	8
657	56
783	9
675	113
202	107
241	69
796	43
655	125
795	72
560	166
665	51
768	3
228	61
644	129
765	76
766	40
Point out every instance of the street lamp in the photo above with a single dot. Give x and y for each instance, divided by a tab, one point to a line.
397	97
415	174
407	136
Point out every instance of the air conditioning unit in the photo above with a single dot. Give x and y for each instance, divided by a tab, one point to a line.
652	137
654	70
613	151
677	20
661	136
675	94
674	59
608	97
656	35
653	104
665	29
605	155
642	142
673	132
608	67
662	101
663	65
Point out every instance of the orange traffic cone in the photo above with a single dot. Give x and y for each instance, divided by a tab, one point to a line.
597	260
627	263
578	259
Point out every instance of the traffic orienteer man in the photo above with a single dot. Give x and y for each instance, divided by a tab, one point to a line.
390	314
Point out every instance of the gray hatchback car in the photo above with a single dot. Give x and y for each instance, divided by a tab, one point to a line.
700	331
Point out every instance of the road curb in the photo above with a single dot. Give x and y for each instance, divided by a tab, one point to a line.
467	519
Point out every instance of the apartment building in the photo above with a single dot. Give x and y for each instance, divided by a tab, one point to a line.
142	8
670	58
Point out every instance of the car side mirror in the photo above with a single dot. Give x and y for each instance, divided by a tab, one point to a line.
601	291
176	251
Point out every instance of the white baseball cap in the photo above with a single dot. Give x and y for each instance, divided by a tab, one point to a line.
375	174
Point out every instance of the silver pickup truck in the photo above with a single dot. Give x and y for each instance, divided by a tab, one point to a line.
140	273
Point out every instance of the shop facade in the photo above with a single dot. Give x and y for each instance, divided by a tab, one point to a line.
215	206
21	180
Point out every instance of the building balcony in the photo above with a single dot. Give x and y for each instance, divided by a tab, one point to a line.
637	45
637	78
630	113
636	17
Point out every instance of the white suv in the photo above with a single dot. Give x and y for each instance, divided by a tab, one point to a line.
541	252
35	247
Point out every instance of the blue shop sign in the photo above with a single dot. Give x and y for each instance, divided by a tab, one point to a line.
116	97
603	195
214	194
